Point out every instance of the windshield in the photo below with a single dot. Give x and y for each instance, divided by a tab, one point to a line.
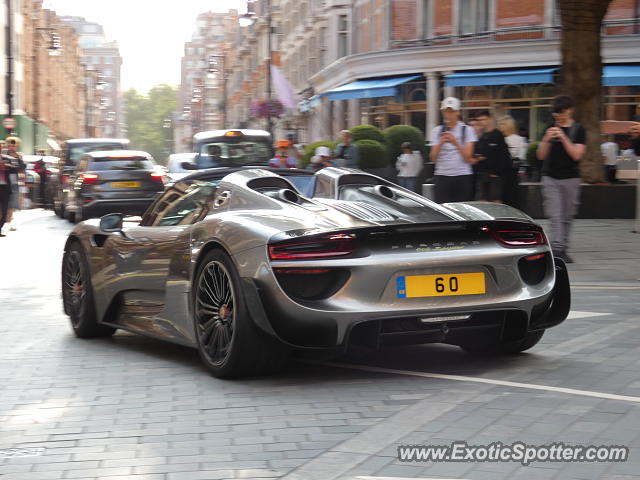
304	184
222	153
109	163
76	151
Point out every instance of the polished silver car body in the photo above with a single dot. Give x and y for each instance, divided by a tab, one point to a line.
143	275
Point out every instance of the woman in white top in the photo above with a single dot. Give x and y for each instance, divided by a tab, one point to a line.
517	145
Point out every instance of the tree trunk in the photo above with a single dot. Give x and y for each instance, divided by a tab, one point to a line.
581	73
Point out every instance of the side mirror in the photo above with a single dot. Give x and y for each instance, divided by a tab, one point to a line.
111	223
189	166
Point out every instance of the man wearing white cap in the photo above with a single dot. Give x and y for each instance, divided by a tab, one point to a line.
321	159
452	151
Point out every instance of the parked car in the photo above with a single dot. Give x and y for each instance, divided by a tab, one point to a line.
125	181
72	151
175	169
237	263
33	178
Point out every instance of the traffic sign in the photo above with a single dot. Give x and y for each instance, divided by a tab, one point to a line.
9	123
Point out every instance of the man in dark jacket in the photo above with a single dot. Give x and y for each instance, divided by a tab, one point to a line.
561	150
6	168
494	160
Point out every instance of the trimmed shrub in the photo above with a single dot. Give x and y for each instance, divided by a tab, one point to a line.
368	132
398	134
310	151
532	159
373	154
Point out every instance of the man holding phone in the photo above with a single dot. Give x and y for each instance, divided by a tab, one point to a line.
560	151
452	152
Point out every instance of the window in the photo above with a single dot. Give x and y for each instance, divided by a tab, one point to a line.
186	209
473	16
343	36
323	47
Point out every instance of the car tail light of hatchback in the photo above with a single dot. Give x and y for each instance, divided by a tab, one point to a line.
157	177
90	178
325	246
518	237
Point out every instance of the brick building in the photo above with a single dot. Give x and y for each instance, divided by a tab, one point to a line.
48	101
496	54
102	64
201	79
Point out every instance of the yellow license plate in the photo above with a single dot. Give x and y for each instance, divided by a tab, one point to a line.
413	286
125	184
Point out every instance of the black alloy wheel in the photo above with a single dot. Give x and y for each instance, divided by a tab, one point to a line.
215	312
77	294
229	343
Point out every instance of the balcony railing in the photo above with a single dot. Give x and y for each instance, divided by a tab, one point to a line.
518	34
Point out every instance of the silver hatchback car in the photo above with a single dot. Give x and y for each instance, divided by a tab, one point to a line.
122	181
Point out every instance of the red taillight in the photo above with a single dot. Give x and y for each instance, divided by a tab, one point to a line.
326	246
64	179
535	257
89	178
517	238
157	177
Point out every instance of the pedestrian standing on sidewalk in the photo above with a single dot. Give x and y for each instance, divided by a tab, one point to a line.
409	166
493	160
452	152
610	152
282	158
347	153
11	152
6	170
560	151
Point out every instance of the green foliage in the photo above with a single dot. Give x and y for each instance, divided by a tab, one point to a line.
310	151
368	132
373	154
146	117
532	159
398	134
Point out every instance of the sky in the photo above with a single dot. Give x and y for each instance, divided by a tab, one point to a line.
150	33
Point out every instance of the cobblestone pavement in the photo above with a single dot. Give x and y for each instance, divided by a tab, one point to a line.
135	408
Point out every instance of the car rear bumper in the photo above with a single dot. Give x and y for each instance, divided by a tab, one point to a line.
338	329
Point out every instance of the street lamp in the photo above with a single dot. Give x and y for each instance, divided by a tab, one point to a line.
247	20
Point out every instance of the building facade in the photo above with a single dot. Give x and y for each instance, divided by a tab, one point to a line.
406	55
46	88
201	83
501	55
102	64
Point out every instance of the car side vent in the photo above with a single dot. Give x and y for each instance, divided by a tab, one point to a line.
363	211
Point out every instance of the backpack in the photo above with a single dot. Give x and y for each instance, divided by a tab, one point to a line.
463	137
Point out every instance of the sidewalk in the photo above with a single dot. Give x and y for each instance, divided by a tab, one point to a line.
606	252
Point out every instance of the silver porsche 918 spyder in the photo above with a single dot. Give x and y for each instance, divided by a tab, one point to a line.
250	264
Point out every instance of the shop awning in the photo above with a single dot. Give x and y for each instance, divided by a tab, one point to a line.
500	77
370	88
621	75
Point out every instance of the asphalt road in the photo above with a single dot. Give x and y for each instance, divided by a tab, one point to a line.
135	408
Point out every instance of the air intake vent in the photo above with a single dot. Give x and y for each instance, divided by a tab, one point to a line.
363	211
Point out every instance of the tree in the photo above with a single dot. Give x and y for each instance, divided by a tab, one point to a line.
581	73
147	116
